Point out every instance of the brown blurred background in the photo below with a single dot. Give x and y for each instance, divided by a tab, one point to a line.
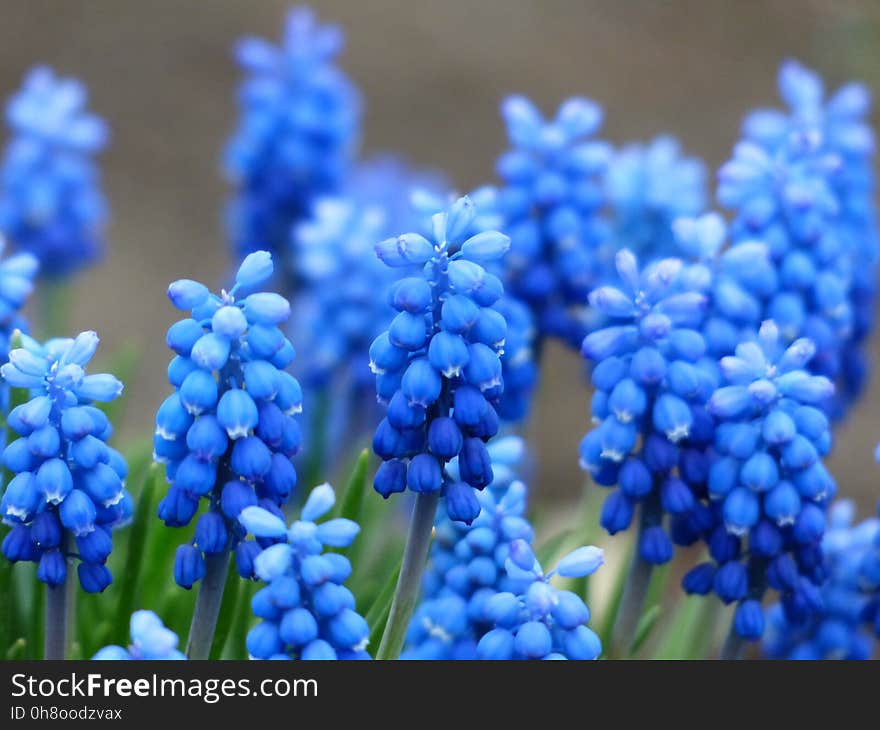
432	75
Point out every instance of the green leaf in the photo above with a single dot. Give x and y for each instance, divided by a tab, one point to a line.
8	602
228	610
616	597
135	556
37	616
646	623
677	635
351	506
17	649
553	548
377	616
236	646
657	586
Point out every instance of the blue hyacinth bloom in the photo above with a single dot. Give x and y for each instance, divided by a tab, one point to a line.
51	203
227	434
518	340
297	134
469	566
766	482
648	187
802	181
466	564
551	201
541	621
305	609
150	640
68	489
846	625
438	366
652	379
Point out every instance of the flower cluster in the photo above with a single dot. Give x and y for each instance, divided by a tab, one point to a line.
306	611
51	203
68	491
541	621
297	134
652	382
17	274
648	187
227	433
767	481
150	640
842	628
467	564
551	202
803	183
437	366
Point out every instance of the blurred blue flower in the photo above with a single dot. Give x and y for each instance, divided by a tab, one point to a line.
846	625
297	135
802	182
51	202
438	366
17	274
150	640
306	611
648	187
551	202
68	489
228	432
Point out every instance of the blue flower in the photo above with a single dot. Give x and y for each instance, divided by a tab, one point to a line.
297	134
51	202
648	187
438	366
68	489
651	380
846	624
766	482
466	565
150	640
228	432
541	621
305	609
471	569
518	344
551	202
802	182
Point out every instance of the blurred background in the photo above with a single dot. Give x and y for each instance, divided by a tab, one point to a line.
432	75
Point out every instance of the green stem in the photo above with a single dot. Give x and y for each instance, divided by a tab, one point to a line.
204	622
409	584
635	592
734	646
55	641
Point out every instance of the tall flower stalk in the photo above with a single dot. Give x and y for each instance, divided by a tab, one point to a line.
438	369
68	491
227	433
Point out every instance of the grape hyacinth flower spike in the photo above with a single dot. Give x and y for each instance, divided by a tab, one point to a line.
651	384
51	203
68	489
305	609
846	625
227	434
299	127
150	640
767	483
551	201
438	369
542	621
